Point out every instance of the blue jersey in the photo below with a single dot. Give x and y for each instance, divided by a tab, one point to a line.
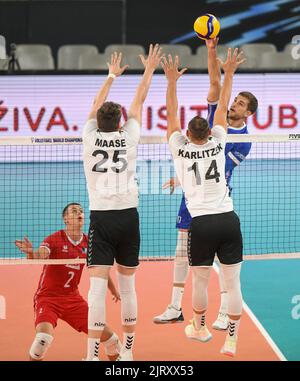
235	153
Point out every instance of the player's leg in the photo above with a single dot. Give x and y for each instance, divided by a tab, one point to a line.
111	342
96	309
46	314
235	306
222	320
100	258
127	262
76	315
201	252
230	257
42	341
126	281
221	323
173	313
197	329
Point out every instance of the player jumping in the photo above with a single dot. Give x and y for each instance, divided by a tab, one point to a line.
244	105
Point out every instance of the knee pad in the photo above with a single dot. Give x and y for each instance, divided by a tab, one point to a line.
181	270
232	282
200	284
182	245
231	275
40	345
221	281
128	298
97	303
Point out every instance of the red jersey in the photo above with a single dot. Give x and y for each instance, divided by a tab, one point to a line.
62	280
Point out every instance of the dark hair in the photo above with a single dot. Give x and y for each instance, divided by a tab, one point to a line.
199	128
252	101
64	212
108	117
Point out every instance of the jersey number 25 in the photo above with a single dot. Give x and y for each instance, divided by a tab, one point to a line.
100	166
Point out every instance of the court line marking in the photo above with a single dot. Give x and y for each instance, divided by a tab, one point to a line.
259	326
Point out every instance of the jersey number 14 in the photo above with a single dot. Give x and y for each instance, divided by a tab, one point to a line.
212	172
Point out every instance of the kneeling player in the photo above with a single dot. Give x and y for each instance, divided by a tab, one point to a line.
57	296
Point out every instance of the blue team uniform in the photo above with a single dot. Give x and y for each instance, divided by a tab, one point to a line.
235	153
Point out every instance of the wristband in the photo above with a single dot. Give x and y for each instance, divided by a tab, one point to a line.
113	76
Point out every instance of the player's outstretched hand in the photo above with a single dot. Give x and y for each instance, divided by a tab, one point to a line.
112	288
154	57
212	43
172	184
171	68
114	66
25	246
232	62
116	295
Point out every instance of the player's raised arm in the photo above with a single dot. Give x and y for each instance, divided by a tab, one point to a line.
172	74
25	246
114	70
229	67
150	63
214	71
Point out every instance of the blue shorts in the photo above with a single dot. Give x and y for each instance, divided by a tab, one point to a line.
184	218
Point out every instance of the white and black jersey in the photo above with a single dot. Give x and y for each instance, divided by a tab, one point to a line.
201	172
215	228
110	169
110	166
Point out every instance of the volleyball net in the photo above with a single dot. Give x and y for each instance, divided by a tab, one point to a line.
40	176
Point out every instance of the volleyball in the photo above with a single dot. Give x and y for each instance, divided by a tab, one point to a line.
207	27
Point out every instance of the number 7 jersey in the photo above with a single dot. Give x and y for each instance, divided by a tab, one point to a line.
201	172
110	166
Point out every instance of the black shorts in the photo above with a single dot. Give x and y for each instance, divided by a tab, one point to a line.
114	235
215	234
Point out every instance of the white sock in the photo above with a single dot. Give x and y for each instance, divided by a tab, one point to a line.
93	348
233	327
199	320
177	294
128	340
